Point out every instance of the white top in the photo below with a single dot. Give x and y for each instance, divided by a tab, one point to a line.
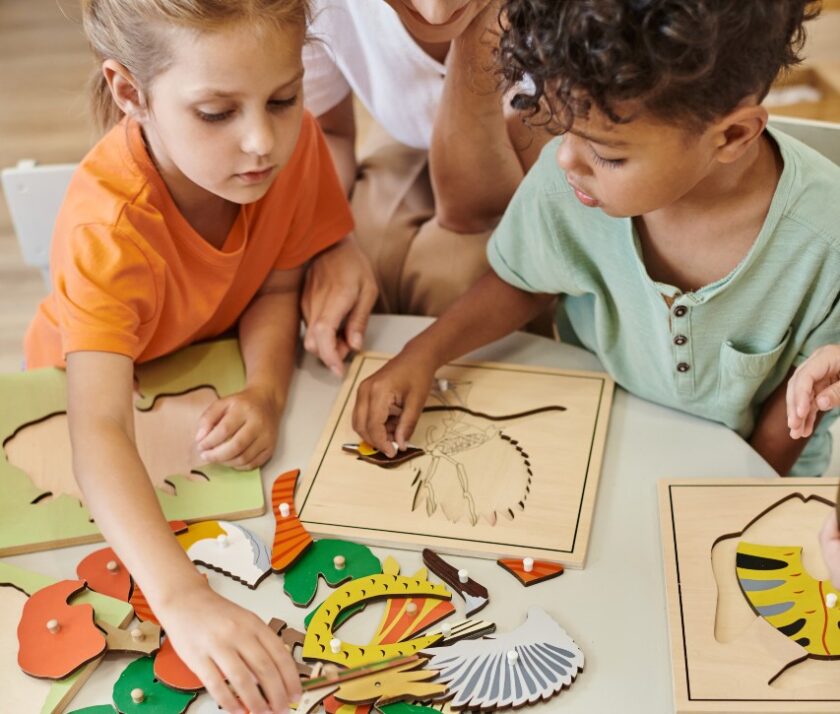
361	45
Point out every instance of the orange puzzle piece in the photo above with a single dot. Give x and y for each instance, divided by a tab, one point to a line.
539	571
171	670
56	638
291	539
105	574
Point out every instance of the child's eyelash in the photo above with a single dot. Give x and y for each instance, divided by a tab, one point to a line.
608	163
274	104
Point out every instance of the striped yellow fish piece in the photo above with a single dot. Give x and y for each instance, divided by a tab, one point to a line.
389	583
291	539
779	589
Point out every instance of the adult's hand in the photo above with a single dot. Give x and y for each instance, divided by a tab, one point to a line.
338	295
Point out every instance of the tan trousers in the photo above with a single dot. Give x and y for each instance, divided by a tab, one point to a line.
421	268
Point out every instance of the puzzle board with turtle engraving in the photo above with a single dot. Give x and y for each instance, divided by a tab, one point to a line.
510	463
753	619
41	506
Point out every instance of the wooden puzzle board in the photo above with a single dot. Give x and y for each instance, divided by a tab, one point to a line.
531	481
40	506
19	692
725	658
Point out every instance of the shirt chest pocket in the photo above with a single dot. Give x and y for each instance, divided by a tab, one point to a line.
742	373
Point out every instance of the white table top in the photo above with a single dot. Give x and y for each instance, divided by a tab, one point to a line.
614	609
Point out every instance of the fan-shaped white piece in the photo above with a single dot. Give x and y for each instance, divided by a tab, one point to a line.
482	673
228	548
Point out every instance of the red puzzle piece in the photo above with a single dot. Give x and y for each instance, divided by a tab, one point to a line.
105	574
56	638
171	670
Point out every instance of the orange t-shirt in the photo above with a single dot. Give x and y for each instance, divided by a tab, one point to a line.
131	276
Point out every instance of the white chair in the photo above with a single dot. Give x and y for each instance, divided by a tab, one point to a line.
34	193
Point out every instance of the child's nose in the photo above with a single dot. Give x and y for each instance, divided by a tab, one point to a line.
570	158
259	137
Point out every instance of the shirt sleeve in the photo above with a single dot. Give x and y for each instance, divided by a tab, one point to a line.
105	292
533	247
322	216
324	84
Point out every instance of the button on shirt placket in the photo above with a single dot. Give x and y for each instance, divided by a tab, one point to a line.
680	333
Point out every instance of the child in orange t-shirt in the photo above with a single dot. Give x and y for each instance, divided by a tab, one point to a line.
194	214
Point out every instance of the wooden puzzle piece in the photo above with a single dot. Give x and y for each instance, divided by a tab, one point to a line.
142	609
227	548
320	642
56	638
402	682
371	455
405	708
293	639
317	690
534	661
170	669
475	595
105	573
334	706
97	709
21	693
142	638
336	561
404	617
36	517
290	537
529	571
138	692
778	588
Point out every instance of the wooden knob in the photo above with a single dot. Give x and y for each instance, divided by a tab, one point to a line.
527	564
463	576
53	626
411	608
137	635
284	510
339	562
113	566
138	696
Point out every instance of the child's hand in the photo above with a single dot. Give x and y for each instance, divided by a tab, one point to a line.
239	430
389	402
220	642
814	387
338	295
830	546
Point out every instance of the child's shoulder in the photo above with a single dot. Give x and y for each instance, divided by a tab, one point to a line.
112	176
812	183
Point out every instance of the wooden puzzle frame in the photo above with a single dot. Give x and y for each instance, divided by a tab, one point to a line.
28	522
542	429
724	657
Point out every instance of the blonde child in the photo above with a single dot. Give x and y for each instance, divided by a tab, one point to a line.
196	213
696	250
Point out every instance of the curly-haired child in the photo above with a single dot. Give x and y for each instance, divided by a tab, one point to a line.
696	249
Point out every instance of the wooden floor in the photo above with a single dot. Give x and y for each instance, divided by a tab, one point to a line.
44	66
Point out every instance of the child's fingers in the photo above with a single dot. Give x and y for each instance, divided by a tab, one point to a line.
357	320
285	663
268	676
250	458
225	430
829	398
411	411
376	427
231	448
216	687
242	681
211	416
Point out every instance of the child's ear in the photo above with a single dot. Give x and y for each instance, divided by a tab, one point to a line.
125	90
737	131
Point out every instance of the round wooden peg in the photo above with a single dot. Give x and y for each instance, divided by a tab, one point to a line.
138	696
831	599
411	608
339	562
446	629
335	645
284	510
512	656
53	626
527	564
137	634
113	566
463	575
222	540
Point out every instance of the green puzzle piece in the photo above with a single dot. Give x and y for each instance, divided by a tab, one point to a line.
158	698
32	396
98	709
405	708
301	580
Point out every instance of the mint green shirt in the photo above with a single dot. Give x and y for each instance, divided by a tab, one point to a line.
718	352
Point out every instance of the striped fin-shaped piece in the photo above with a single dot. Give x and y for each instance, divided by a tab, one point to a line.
405	617
781	591
484	674
290	537
541	570
141	606
333	706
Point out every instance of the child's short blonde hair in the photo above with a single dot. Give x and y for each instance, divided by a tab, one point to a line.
128	31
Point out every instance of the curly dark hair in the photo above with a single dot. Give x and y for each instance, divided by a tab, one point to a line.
687	61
